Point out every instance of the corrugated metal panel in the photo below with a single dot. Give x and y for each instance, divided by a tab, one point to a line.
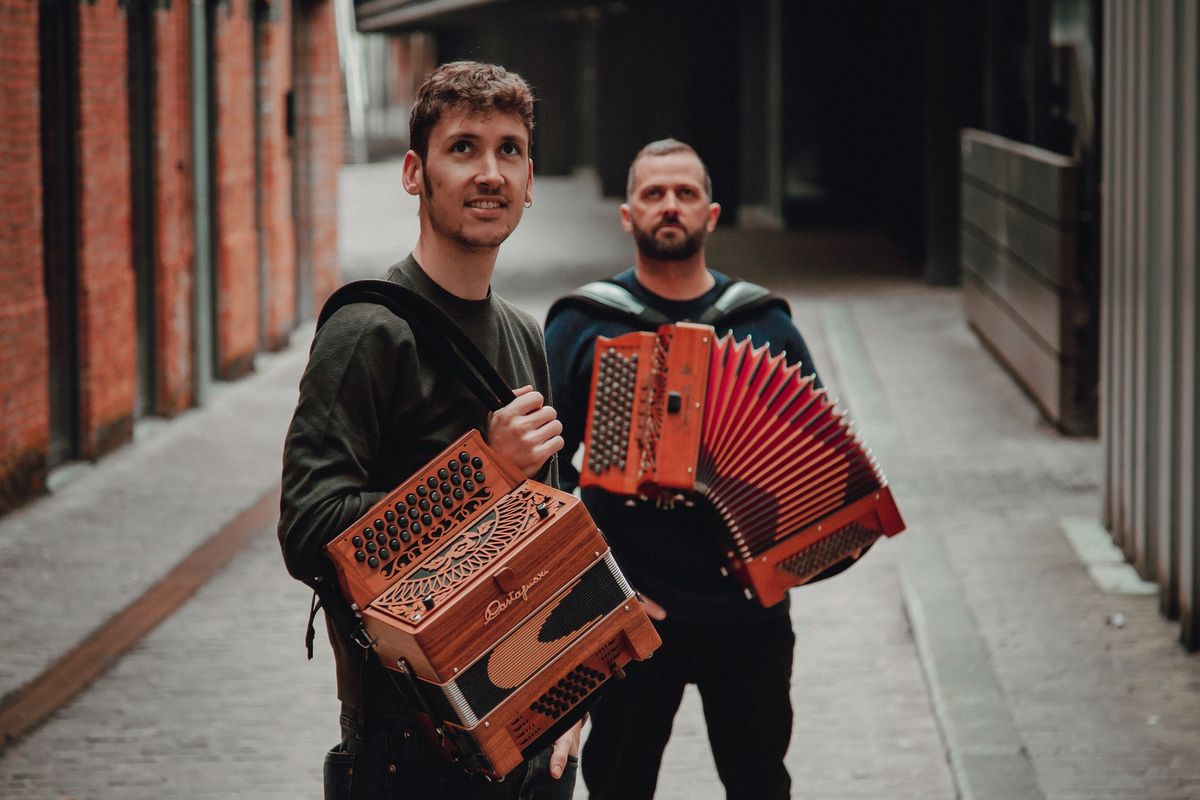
1150	337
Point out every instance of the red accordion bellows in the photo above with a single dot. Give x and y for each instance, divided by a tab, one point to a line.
680	410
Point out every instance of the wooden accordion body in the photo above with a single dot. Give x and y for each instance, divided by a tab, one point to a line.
499	596
681	411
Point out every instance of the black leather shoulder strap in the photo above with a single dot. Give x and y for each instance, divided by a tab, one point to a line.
433	328
612	299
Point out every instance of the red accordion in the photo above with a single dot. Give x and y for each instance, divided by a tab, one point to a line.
495	597
682	411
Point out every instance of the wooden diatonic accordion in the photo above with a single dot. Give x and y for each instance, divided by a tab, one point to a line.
682	411
495	597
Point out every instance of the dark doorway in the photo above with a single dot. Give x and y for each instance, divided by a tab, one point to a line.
300	144
58	36
141	159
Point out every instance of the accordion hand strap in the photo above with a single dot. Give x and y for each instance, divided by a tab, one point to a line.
435	331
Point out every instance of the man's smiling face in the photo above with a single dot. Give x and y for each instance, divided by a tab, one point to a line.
476	178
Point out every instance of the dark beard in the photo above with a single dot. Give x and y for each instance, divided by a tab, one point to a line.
651	247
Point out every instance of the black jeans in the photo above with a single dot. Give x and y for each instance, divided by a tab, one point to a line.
386	759
743	673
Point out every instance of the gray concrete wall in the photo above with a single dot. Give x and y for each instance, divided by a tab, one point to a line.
1150	340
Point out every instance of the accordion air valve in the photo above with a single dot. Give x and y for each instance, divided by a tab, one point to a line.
496	595
680	412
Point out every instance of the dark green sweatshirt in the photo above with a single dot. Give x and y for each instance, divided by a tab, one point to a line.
373	409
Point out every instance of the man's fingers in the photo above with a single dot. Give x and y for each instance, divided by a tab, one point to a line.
526	402
558	759
565	745
523	390
653	610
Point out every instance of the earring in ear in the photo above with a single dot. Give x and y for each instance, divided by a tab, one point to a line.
528	203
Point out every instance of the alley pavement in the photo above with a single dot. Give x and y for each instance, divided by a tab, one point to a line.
979	654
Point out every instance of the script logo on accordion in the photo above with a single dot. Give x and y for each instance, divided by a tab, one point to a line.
496	607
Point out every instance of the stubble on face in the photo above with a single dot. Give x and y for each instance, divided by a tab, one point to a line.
442	183
651	246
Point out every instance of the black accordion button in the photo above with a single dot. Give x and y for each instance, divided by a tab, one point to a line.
437	511
480	477
391	530
435	497
477	462
357	541
453	466
424	504
416	528
373	562
422	491
404	536
384	554
371	547
378	524
394	544
458	494
360	556
456	479
425	518
469	485
413	513
390	516
464	457
443	474
432	482
410	498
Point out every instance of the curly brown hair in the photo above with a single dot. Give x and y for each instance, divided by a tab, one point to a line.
471	87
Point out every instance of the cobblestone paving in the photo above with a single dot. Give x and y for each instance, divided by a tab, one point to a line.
219	701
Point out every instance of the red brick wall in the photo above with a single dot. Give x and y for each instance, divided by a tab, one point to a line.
108	344
24	376
279	235
173	200
320	121
236	250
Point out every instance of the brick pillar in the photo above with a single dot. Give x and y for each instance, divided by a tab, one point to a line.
278	231
108	317
24	350
319	124
173	206
236	250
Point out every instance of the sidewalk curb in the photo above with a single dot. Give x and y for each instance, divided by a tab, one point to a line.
987	757
30	705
